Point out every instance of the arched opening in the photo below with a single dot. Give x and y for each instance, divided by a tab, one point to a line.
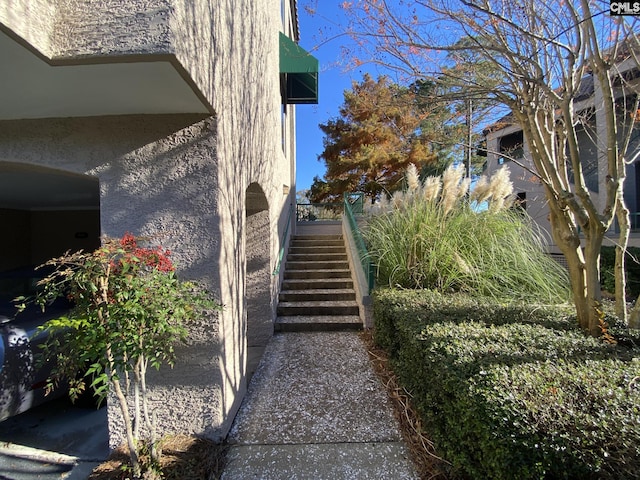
258	277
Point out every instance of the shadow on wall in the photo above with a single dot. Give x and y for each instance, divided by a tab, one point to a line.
249	149
258	277
183	180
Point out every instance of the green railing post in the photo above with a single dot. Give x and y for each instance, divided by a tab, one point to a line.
355	201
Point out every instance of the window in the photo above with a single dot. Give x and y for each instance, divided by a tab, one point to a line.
520	203
511	147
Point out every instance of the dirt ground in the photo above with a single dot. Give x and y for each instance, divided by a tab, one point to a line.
182	457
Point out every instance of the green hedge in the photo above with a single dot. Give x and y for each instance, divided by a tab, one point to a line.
632	268
514	391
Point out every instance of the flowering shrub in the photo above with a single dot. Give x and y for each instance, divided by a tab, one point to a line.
129	312
155	258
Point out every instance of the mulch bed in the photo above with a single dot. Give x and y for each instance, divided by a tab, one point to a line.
183	457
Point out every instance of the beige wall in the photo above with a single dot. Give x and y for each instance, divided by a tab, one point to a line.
239	73
157	177
31	20
69	30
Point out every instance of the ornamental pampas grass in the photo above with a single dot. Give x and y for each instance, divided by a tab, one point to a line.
431	189
481	191
432	238
501	190
413	179
451	181
463	188
398	199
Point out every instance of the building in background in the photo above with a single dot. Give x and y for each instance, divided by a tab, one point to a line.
506	146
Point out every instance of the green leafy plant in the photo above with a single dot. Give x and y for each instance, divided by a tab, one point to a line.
514	390
129	312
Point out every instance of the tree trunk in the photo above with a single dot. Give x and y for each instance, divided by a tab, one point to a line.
586	289
584	271
124	409
575	264
593	244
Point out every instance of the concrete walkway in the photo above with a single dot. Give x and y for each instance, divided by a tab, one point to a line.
316	410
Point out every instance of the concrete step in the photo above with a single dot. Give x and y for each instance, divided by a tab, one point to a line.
316	249
316	323
317	274
317	283
317	291
314	295
318	239
316	243
318	236
318	308
315	265
316	257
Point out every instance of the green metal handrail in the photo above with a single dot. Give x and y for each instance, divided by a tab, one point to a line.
357	200
283	241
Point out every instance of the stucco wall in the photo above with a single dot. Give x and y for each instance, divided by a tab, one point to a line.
231	51
31	20
181	177
258	287
69	30
101	28
157	176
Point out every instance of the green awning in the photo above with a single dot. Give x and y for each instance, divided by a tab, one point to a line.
300	69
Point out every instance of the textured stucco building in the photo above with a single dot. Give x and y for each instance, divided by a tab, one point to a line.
506	146
164	118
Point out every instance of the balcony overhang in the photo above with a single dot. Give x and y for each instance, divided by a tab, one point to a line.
300	70
33	86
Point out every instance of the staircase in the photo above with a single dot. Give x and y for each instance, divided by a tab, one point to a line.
317	291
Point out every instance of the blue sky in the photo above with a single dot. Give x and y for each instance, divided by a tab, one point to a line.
320	36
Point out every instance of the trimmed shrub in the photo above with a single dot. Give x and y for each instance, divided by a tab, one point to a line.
514	391
632	268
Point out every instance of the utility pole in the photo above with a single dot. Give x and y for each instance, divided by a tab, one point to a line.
468	148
